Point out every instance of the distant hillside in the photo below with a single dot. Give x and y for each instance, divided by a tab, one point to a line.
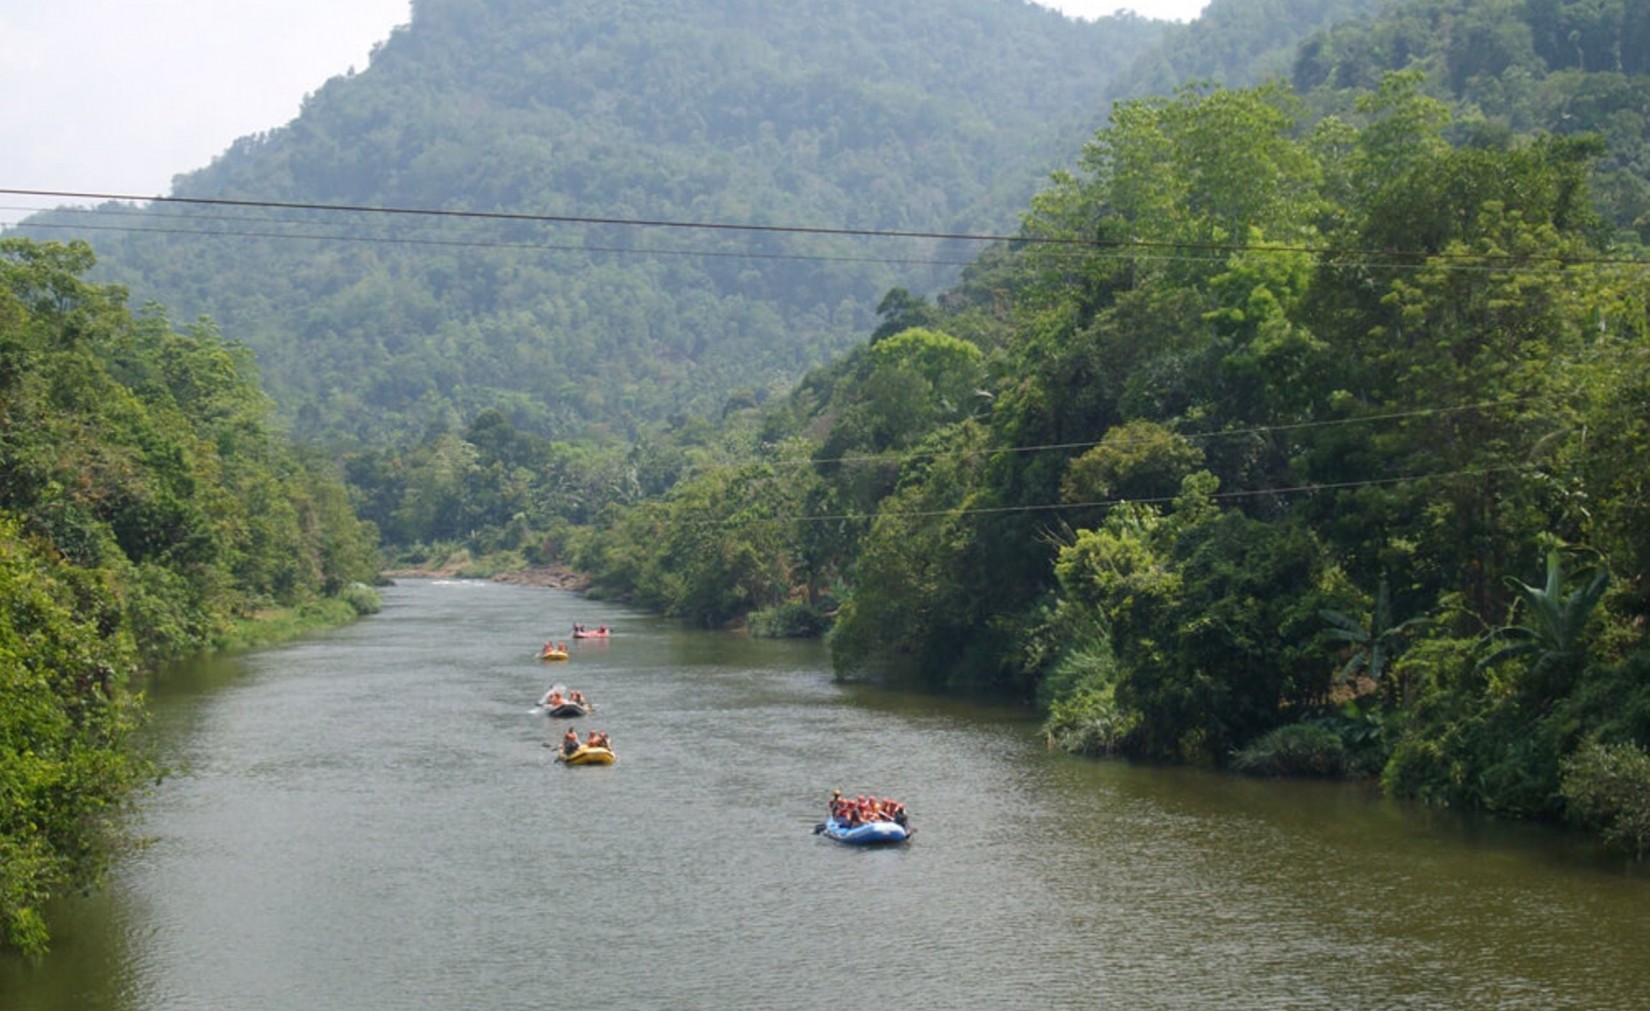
938	116
1562	67
1236	43
934	116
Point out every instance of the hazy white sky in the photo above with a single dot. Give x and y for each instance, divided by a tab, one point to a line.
118	96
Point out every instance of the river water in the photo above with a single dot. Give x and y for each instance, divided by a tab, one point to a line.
371	819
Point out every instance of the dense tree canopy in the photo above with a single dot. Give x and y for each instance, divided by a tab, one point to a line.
1252	396
145	504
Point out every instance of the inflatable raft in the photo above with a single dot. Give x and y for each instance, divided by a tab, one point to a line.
871	833
586	755
558	702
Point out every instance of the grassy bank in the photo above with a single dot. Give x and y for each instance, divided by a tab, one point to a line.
278	625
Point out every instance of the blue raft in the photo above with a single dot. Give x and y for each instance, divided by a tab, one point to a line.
872	833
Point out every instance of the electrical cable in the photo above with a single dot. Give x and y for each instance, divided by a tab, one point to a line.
1023	239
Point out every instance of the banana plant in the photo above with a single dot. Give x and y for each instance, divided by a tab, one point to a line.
1552	620
1374	643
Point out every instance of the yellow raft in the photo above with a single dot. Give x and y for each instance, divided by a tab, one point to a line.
587	755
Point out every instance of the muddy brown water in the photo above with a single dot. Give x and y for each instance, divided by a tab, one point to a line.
370	819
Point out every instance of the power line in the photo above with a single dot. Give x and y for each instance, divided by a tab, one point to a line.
1022	239
1097	504
1113	502
520	216
519	246
1191	436
1137	252
482	243
1115	245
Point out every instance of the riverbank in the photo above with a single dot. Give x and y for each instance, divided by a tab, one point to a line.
280	625
555	577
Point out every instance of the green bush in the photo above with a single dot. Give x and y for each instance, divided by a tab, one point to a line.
1298	749
1088	665
794	620
1606	787
1613	701
1364	732
67	717
1472	753
362	598
1089	721
430	555
1419	769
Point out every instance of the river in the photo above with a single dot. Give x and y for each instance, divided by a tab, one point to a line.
371	819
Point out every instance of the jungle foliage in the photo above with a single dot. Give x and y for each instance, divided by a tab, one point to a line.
1287	444
145	505
1294	412
1559	67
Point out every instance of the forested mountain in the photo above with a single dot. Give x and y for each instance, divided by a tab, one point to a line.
1235	43
497	481
935	116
